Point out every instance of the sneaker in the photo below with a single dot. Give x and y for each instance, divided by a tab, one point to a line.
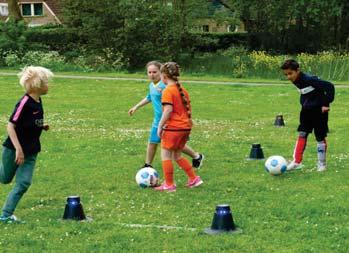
294	166
197	163
147	166
10	219
164	187
321	167
195	182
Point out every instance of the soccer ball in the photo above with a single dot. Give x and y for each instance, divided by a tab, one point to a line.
276	165
147	177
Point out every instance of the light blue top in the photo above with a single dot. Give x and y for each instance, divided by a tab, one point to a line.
154	96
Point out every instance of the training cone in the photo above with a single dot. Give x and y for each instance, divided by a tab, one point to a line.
222	221
256	152
73	209
279	121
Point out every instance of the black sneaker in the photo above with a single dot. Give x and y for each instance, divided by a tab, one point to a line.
197	163
147	165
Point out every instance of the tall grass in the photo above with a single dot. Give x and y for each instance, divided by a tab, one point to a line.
234	62
237	62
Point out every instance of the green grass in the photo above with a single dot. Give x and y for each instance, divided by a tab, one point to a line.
94	150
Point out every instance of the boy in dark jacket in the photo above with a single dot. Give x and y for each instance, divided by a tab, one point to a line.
316	96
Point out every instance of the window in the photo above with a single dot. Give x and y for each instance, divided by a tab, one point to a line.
233	29
38	9
26	9
3	10
35	9
205	28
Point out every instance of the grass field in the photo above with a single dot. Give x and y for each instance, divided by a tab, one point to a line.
94	150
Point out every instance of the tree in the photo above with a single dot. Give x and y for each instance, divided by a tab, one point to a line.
14	11
141	30
294	26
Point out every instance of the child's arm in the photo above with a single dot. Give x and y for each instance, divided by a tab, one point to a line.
141	103
165	116
326	87
13	136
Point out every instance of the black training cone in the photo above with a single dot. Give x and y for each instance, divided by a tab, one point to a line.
73	209
279	121
222	222
256	152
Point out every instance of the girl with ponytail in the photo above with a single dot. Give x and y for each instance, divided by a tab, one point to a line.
174	128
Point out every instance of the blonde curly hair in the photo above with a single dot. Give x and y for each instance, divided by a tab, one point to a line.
34	77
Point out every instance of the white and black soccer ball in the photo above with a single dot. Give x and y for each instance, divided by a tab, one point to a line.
147	177
276	165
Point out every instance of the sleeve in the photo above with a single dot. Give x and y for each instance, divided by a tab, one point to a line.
148	97
326	87
18	112
167	98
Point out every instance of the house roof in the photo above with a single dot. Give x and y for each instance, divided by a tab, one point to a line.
55	6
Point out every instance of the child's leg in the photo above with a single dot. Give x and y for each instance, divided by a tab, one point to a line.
8	165
167	166
151	151
184	164
24	176
300	147
154	140
190	152
320	132
321	152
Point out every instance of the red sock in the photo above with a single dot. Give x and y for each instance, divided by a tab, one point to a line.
186	166
167	168
299	149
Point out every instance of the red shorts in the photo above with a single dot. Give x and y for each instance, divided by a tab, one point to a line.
174	140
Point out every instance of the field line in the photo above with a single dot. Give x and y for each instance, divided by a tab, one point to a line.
156	226
184	81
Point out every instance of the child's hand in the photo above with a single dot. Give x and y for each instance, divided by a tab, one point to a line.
46	127
132	111
19	156
325	109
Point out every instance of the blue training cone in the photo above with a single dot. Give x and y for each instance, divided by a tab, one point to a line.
279	121
73	209
222	222
256	151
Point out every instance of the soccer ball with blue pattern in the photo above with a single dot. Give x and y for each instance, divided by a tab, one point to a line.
276	165
147	177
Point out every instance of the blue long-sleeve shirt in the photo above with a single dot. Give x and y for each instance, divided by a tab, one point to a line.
314	91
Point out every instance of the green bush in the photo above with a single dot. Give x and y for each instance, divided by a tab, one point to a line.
47	59
110	61
221	41
12	36
12	60
56	39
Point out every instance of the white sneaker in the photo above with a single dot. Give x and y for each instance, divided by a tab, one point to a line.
10	219
321	167
294	166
